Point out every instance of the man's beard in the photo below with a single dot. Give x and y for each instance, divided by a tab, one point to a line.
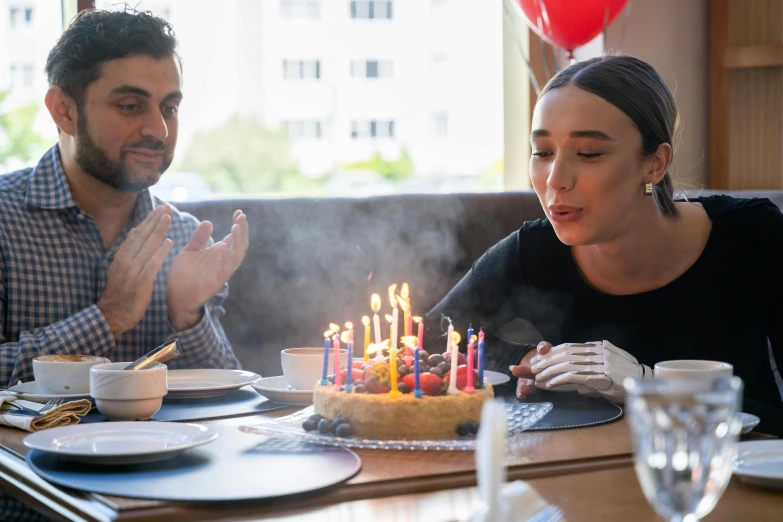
93	161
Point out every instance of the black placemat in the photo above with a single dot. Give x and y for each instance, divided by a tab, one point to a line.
569	410
236	466
244	401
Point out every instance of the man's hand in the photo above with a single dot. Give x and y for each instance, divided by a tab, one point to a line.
526	384
131	276
199	271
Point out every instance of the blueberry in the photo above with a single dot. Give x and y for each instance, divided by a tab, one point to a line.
344	430
360	388
309	425
423	367
403	370
315	417
435	360
403	388
474	427
436	371
358	382
423	355
341	418
445	367
323	426
330	379
463	429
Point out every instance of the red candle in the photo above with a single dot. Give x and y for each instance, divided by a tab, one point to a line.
337	381
469	387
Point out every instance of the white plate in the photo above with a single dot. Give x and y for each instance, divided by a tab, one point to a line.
275	389
191	384
495	378
121	442
760	462
29	391
748	422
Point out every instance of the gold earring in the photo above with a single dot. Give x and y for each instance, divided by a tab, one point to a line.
648	189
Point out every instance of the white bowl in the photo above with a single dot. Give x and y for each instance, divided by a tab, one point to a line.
126	395
65	374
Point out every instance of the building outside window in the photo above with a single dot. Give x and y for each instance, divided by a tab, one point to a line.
371	9
301	129
301	69
371	69
20	17
364	129
301	9
440	124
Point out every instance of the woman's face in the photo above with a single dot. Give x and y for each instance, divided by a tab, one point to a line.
586	165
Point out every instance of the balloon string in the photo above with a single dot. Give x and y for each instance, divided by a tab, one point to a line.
531	73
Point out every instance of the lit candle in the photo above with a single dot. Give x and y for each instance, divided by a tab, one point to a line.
481	358
375	304
327	346
452	348
421	333
469	386
349	372
337	380
366	323
393	392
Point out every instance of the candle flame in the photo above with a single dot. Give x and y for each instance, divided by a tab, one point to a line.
334	327
380	347
455	337
473	339
389	318
392	299
416	319
405	292
405	305
366	321
345	336
410	341
375	303
349	325
328	334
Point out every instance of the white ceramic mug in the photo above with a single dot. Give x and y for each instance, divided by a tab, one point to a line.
692	372
64	374
303	367
127	395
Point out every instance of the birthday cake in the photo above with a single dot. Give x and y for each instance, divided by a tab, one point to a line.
373	413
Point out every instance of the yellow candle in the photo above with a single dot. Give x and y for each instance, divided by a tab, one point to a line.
394	392
366	323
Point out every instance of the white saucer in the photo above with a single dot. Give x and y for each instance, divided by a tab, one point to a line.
275	389
29	391
193	384
121	442
748	422
760	462
495	378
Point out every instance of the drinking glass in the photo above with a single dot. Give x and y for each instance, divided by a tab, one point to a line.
685	439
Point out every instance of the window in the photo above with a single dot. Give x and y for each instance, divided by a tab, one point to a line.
440	124
371	69
371	9
303	9
299	129
301	69
22	76
28	16
372	129
20	17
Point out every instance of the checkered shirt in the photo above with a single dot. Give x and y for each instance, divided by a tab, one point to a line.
53	268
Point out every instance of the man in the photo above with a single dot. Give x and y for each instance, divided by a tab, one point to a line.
90	262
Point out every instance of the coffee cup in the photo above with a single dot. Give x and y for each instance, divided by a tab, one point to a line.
303	367
693	373
128	395
64	374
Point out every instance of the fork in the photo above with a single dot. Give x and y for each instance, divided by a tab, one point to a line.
24	410
52	404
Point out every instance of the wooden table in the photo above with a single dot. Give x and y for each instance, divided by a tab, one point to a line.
607	495
384	474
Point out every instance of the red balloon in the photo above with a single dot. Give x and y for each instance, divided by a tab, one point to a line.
570	23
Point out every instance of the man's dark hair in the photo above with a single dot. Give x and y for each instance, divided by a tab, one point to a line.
97	36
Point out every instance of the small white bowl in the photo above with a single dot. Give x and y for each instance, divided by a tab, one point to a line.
127	395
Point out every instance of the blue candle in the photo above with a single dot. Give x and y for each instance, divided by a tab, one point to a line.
327	346
348	374
417	386
481	359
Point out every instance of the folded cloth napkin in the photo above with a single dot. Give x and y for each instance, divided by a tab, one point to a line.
510	502
63	415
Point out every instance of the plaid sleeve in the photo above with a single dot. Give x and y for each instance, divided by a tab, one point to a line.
205	345
86	331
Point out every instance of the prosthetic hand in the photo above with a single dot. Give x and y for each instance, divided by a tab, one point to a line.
597	369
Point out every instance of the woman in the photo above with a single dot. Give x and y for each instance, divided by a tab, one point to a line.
617	259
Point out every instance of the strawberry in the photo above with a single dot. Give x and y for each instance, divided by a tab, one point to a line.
356	374
460	358
430	383
358	364
462	377
377	378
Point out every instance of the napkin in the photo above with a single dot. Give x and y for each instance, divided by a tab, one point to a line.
511	502
64	415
